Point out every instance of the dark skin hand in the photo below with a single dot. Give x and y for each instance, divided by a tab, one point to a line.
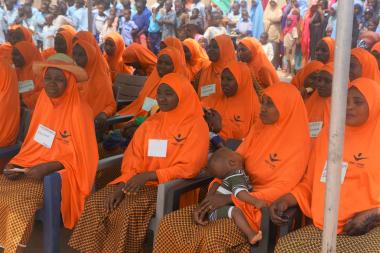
37	172
101	121
130	129
362	222
278	208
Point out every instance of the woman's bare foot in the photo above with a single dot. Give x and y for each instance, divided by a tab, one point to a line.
257	237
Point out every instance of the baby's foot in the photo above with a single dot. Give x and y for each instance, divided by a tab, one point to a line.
257	237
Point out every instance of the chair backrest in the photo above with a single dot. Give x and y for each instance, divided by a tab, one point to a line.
128	87
25	117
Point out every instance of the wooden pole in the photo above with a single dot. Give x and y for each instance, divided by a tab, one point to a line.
337	123
89	14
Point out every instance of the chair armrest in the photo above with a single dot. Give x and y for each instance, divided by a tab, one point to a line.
112	161
10	151
294	219
119	119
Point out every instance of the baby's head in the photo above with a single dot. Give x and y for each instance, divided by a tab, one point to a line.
224	161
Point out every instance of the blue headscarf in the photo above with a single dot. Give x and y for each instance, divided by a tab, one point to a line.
257	16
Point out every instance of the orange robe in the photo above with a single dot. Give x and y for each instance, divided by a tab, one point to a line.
144	57
331	45
370	68
240	111
311	67
9	105
97	90
74	147
31	54
261	68
199	59
360	189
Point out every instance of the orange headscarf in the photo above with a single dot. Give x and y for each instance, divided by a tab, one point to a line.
240	111
276	155
261	68
151	84
183	127
137	53
376	47
6	52
199	59
115	62
97	91
9	106
28	35
212	74
31	54
176	43
370	68
74	146
360	189
311	67
68	37
68	28
331	45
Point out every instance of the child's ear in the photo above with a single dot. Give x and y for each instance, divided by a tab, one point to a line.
232	163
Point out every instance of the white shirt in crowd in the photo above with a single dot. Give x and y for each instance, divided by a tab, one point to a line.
214	31
47	35
99	22
3	26
80	19
268	49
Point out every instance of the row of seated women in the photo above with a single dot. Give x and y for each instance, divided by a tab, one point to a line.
281	162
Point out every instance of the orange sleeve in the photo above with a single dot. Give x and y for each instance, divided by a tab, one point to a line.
110	108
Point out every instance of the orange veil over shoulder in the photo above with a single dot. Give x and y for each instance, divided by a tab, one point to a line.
97	90
199	59
370	68
115	62
9	105
276	155
137	53
360	189
212	74
31	54
74	147
331	45
184	129
151	84
238	112
261	68
311	67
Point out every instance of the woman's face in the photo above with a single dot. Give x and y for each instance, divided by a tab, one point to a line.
17	58
60	44
229	83
323	84
268	111
109	47
167	99
213	51
310	80
355	68
54	82
80	56
244	54
322	52
187	53
357	108
164	65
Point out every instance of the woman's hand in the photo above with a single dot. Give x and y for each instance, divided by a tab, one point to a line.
101	121
136	182
214	120
129	129
278	208
200	215
362	222
115	198
215	201
36	172
11	175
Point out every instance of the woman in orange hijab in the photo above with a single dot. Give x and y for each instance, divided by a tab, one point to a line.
363	64
324	51
24	54
114	49
63	44
376	52
273	167
161	150
16	34
196	58
68	28
305	77
140	58
359	205
220	52
97	90
238	104
9	106
263	73
176	43
61	139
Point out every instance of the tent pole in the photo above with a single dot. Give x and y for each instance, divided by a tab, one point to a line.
89	9
337	123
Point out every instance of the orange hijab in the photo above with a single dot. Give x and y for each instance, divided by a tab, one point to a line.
199	59
331	45
311	67
68	28
137	53
115	62
97	90
68	37
6	52
9	106
74	147
31	54
376	47
212	74
276	155
183	127
360	190
261	68
370	68
28	35
176	43
239	112
151	84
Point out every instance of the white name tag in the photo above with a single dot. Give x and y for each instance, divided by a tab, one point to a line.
25	86
148	104
315	128
157	148
44	136
207	90
342	175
